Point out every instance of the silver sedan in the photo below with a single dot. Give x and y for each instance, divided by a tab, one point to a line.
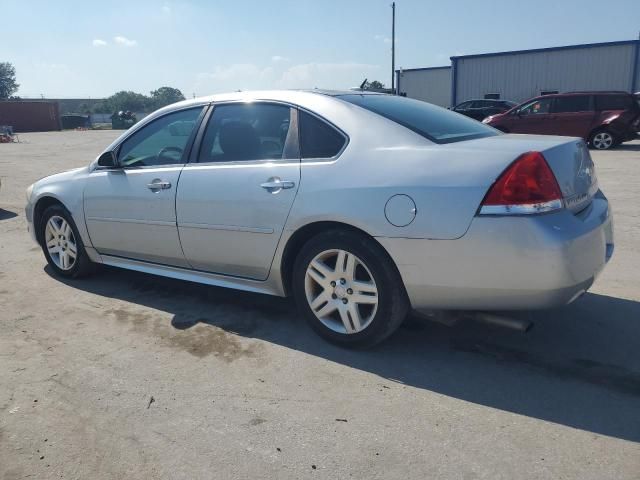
362	206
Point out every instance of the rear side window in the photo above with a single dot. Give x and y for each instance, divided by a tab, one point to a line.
318	139
614	102
573	103
437	124
481	104
247	132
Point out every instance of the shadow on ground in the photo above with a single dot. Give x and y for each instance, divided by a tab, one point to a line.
7	214
580	366
629	147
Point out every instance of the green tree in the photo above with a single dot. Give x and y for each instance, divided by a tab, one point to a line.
127	100
165	96
101	107
373	85
8	85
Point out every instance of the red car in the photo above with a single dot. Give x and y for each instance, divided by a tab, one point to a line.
603	119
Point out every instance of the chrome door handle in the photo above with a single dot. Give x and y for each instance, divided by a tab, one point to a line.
158	185
274	184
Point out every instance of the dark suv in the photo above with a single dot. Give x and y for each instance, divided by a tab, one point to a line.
481	109
603	119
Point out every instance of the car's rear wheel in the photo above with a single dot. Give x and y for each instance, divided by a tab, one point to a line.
61	243
602	140
348	289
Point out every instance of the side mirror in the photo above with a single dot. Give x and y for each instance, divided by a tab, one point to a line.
108	160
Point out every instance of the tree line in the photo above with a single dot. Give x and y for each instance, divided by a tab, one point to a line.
133	101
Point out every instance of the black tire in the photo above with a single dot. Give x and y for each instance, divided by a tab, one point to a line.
393	303
82	265
597	144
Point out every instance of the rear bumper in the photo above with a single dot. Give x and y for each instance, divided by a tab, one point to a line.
508	263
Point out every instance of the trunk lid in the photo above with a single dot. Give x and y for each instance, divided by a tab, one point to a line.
568	158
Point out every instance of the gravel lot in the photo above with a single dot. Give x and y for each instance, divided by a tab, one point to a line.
125	375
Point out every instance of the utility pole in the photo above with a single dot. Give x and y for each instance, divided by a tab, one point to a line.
393	46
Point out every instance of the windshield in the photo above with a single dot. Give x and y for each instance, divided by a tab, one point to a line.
435	123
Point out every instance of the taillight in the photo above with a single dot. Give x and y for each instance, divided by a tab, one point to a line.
527	186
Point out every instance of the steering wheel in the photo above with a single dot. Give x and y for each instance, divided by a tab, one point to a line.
164	150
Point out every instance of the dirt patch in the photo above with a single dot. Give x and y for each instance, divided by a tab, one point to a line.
202	340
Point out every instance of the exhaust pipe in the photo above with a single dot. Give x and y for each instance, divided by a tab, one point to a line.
517	324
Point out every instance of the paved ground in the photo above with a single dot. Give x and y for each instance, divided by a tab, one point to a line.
125	375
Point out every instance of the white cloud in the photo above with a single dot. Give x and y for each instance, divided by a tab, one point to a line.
124	41
278	59
238	76
382	38
99	43
248	76
327	75
166	9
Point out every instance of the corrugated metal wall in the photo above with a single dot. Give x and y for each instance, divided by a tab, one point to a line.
431	85
519	76
25	116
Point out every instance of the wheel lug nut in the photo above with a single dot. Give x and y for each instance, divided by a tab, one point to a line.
349	291
333	284
343	281
334	296
344	300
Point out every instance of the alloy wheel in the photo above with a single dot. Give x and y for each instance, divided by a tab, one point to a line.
341	291
61	243
602	140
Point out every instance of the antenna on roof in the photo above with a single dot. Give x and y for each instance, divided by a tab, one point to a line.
363	84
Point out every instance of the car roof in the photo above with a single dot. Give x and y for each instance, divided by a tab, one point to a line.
586	92
488	100
291	96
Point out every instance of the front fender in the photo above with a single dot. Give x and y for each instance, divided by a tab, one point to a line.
66	188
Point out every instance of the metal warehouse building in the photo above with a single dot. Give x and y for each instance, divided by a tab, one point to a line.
431	84
523	74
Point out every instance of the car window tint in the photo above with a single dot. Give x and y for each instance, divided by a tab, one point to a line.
613	102
437	124
463	106
245	132
572	103
161	142
536	107
318	139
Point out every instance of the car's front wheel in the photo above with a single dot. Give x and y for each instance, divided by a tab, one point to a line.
348	289
61	243
602	140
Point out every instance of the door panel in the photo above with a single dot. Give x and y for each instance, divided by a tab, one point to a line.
130	210
227	222
125	217
535	117
233	204
574	115
541	124
573	124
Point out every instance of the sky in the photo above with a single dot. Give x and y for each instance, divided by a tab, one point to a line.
89	49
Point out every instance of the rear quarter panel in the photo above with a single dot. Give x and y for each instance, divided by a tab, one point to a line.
383	159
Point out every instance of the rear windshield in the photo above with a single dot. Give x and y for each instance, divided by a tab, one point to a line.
435	123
